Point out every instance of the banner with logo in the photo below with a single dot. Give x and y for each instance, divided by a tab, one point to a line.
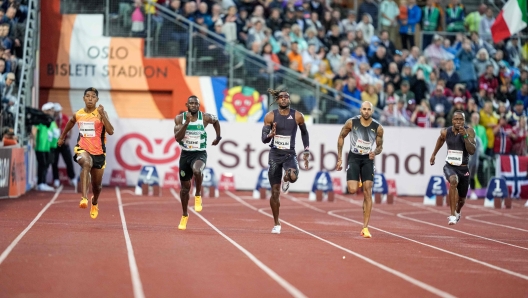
5	165
241	152
17	180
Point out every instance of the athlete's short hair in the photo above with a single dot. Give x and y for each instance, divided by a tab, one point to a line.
91	89
193	96
460	112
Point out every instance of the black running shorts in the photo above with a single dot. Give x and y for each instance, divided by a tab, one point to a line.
187	160
360	166
279	161
98	161
462	172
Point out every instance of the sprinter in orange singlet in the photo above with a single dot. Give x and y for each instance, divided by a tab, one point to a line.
90	151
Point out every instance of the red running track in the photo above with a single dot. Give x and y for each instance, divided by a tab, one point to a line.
51	248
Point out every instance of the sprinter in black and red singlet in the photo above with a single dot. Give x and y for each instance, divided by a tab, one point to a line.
280	128
364	132
461	144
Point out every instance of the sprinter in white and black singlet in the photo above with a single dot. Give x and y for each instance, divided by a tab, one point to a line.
189	132
280	128
366	141
461	144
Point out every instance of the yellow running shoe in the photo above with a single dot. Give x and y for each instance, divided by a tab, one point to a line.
360	184
197	203
183	223
84	203
365	233
94	211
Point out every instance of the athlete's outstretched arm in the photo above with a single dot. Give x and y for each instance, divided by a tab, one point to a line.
379	142
213	119
180	127
469	141
106	122
299	118
268	130
67	129
340	141
439	143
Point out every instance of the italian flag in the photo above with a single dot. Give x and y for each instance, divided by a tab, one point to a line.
512	19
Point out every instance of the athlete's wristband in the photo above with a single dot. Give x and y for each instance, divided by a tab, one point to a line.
465	136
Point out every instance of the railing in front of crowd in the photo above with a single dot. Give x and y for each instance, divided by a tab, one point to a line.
28	86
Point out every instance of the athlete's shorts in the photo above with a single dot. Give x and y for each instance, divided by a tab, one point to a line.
98	161
463	175
187	160
279	161
360	166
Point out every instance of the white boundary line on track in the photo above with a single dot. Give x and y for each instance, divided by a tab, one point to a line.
281	281
399	274
8	250
137	287
417	205
331	213
471	217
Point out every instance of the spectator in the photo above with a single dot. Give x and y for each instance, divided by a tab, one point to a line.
9	138
485	25
489	121
349	24
455	14
422	115
42	150
407	28
450	76
473	19
405	93
369	94
467	69
504	137
482	62
366	28
419	86
370	8
519	146
389	22
430	22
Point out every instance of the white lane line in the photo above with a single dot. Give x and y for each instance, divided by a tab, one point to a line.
332	213
399	274
472	217
134	271
281	281
8	250
360	203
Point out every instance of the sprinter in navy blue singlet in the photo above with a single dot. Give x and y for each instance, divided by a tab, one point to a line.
461	144
366	141
280	128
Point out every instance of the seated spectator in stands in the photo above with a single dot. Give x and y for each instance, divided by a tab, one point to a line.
274	21
314	22
519	146
256	34
203	11
405	92
435	52
424	66
522	79
230	27
297	36
6	42
413	56
488	80
507	93
422	115
518	112
387	44
364	76
485	25
341	74
295	56
283	55
370	94
7	85
366	27
138	19
504	137
9	137
376	72
466	71
481	63
380	57
272	60
391	116
388	90
350	89
513	48
503	111
433	80
311	38
419	86
398	59
477	43
450	76
438	102
335	36
459	105
324	76
406	73
481	96
393	76
522	95
349	24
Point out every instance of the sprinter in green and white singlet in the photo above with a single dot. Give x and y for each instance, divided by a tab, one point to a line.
189	132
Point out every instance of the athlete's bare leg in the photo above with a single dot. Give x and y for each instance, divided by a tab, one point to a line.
97	183
86	163
352	186
275	202
453	193
460	204
367	202
290	176
184	195
197	169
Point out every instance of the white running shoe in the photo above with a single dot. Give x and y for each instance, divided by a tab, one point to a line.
473	196
276	229
285	186
45	187
458	216
452	220
56	183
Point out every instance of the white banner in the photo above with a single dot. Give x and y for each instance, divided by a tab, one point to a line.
135	143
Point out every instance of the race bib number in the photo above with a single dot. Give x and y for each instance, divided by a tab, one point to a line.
282	142
454	157
362	147
87	129
191	141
